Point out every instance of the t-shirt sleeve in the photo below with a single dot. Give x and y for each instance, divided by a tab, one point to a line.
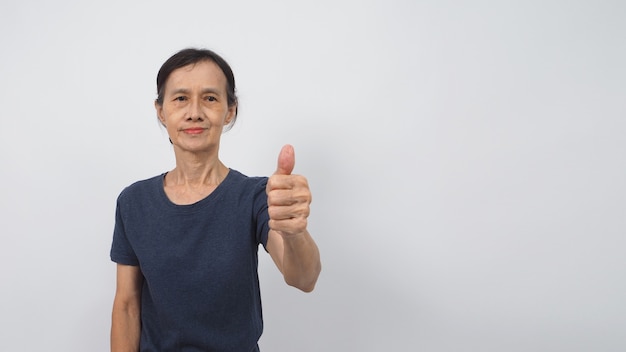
262	216
121	249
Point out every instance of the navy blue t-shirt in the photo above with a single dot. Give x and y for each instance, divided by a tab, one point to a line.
199	262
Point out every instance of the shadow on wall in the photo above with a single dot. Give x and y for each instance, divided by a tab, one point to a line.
351	309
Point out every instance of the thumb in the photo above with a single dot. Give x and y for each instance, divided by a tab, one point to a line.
286	161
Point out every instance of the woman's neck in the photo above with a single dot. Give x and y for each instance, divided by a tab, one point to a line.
197	171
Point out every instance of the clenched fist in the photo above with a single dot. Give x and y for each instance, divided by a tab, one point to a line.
288	197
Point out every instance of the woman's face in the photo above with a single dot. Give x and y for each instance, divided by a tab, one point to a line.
195	107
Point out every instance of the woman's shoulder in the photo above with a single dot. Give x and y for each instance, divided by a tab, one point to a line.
238	180
239	177
141	187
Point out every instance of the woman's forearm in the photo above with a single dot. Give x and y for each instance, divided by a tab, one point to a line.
125	327
301	261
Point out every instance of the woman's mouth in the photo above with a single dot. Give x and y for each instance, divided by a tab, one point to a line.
194	130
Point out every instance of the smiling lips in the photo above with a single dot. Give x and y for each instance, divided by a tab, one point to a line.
193	130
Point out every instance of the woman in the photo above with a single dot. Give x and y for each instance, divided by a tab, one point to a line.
185	242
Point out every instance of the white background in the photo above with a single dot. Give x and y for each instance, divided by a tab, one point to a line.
467	161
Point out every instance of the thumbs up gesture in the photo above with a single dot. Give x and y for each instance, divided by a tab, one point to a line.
288	197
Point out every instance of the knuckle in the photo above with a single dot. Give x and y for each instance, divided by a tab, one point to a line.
272	212
271	198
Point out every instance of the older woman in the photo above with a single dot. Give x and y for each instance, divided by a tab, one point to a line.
186	241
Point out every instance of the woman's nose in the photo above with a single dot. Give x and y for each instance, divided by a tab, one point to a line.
195	112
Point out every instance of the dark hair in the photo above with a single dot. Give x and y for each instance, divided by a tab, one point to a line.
191	56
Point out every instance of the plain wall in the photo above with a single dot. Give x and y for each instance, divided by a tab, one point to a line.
467	161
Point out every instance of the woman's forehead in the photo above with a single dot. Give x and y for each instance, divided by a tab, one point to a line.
202	74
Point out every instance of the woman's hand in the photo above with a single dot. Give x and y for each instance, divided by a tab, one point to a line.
288	197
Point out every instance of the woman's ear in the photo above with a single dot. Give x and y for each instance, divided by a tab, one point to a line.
232	112
159	112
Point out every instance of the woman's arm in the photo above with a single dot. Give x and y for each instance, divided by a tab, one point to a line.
289	243
297	257
126	317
